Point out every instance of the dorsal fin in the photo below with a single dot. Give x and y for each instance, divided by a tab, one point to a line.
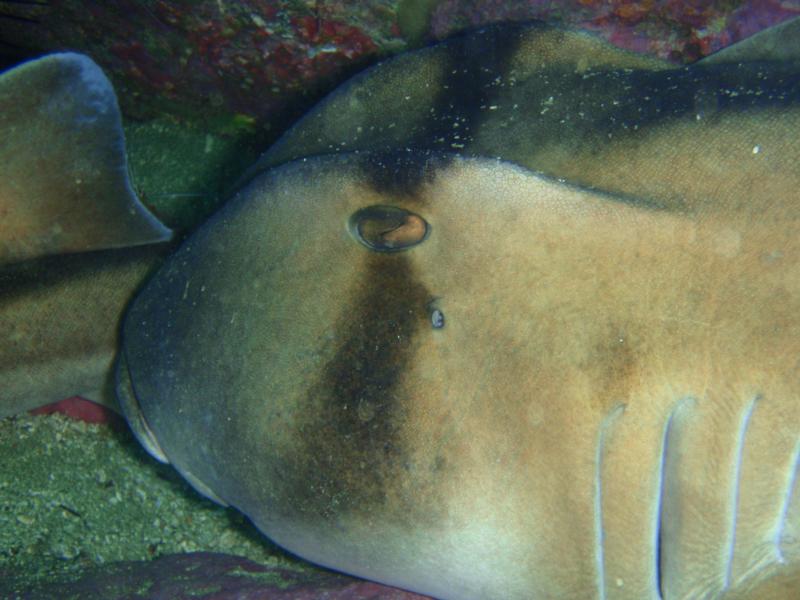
778	43
64	183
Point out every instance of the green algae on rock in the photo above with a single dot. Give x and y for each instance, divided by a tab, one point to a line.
74	495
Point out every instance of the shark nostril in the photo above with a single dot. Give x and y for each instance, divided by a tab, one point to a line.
388	228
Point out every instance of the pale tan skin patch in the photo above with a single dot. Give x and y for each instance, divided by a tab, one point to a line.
581	335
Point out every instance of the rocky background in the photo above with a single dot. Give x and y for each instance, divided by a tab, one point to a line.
206	85
258	64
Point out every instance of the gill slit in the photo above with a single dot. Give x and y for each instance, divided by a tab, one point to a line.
658	540
736	492
787	499
598	498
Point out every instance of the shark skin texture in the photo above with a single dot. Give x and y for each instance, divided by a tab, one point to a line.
75	241
513	316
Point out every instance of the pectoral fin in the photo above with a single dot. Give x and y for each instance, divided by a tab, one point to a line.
778	43
69	220
64	183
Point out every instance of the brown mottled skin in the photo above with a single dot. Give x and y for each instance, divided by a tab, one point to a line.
611	408
356	434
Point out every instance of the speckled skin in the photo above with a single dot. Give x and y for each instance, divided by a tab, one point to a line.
611	408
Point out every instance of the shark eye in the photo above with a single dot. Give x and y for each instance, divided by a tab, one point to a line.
437	318
388	228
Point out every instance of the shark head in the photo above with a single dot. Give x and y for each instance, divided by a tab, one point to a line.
527	329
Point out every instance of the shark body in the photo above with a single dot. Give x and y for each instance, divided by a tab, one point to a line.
515	316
